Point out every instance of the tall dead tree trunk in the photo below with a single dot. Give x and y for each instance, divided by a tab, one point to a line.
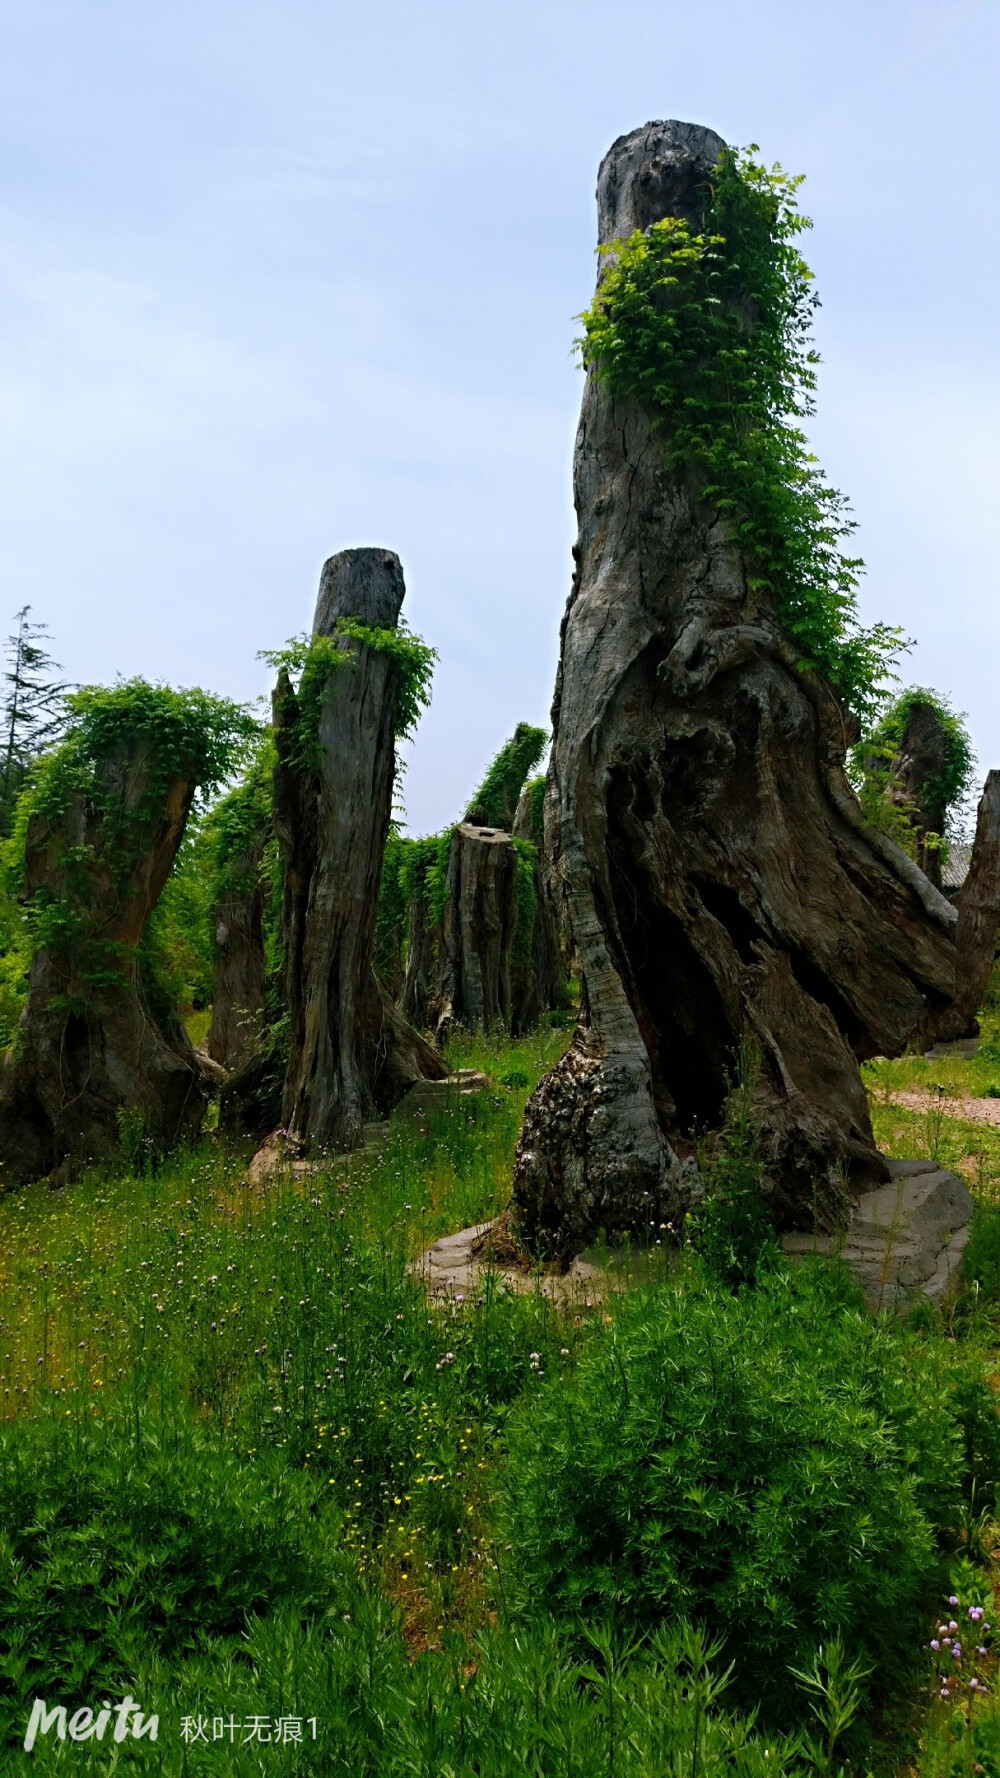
421	978
239	996
480	916
720	881
351	1054
538	974
90	1046
917	771
978	919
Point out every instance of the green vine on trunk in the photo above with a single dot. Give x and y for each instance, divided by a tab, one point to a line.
129	746
710	332
883	796
495	802
310	661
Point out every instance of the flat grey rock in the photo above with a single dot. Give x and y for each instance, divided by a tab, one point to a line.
905	1240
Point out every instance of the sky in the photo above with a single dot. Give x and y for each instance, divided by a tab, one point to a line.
283	277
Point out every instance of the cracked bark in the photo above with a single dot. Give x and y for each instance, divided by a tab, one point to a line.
978	919
477	931
717	876
538	978
239	996
88	1045
351	1054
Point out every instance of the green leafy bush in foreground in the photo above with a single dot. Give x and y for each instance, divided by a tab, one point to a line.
774	1465
120	1541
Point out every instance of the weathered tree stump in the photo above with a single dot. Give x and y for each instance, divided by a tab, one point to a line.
538	977
719	879
239	995
421	979
91	1049
917	772
351	1055
480	916
978	920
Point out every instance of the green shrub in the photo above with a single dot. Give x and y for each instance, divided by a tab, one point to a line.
775	1465
117	1543
732	1227
981	1260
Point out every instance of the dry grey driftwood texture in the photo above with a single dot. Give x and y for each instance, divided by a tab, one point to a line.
719	879
352	1055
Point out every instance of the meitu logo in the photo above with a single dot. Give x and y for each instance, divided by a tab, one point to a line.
85	1725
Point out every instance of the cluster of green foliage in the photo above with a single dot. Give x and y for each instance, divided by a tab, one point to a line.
310	662
709	329
34	714
495	802
143	1558
732	1228
416	870
874	764
535	789
527	899
773	1463
127	747
258	1465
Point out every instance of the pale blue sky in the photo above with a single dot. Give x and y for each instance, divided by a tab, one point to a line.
280	277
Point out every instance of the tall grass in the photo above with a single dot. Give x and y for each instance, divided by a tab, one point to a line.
249	1471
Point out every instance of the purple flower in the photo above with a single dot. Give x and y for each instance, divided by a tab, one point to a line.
953	1599
973	1685
976	1612
980	1651
953	1626
935	1644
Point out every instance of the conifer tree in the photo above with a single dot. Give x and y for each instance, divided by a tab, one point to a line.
34	715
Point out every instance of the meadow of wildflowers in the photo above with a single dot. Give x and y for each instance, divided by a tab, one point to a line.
253	1479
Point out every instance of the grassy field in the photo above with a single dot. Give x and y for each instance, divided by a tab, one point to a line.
251	1477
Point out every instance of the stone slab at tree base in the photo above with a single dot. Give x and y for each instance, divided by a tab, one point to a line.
904	1241
455	1267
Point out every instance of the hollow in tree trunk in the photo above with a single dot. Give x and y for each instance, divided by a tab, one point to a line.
721	884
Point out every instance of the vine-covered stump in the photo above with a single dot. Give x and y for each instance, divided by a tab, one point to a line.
351	1054
978	920
101	1060
478	926
719	879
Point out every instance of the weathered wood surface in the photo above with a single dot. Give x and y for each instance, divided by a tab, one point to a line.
918	768
89	1046
719	880
538	978
239	995
350	1054
480	915
978	919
